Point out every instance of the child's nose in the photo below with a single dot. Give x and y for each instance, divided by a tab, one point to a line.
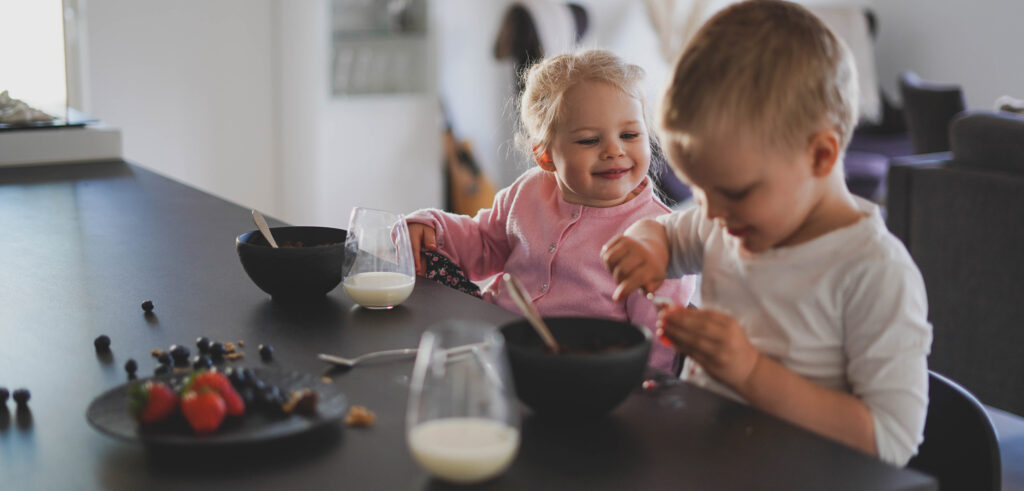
714	208
613	149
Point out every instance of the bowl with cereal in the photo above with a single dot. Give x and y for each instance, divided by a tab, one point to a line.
306	264
598	364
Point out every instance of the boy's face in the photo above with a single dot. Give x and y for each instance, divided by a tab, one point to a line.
601	149
762	197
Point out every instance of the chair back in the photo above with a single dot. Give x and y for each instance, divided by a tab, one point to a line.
989	140
960	447
929	109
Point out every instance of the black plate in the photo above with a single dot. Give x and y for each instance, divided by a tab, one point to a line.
109	414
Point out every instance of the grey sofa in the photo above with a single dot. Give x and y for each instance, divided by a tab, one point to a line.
961	216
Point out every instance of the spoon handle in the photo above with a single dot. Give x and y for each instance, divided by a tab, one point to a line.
264	229
522	299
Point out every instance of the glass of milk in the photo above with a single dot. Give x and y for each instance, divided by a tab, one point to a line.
379	271
462	423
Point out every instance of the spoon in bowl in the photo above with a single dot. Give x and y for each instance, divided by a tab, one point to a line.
526	306
261	224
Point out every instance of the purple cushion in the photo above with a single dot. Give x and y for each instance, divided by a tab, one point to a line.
865	173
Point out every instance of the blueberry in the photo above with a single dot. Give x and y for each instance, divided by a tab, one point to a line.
179	353
162	369
202	361
102	343
248	375
4	394
217	349
266	352
248	395
130	366
21	396
203	343
147	306
257	384
165	358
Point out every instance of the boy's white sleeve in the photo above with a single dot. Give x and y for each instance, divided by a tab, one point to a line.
687	232
887	338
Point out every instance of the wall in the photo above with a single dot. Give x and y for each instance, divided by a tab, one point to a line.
232	97
189	84
976	44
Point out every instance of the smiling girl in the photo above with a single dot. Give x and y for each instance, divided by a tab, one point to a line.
583	121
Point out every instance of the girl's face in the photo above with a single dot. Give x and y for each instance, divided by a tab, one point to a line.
762	197
600	150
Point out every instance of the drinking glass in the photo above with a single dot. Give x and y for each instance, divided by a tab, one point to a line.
379	271
462	423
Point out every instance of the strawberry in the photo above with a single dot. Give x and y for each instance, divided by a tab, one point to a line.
152	402
220	384
204	409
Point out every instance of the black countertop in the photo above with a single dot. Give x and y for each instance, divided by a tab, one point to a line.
82	245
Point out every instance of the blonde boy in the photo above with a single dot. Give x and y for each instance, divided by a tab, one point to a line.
811	310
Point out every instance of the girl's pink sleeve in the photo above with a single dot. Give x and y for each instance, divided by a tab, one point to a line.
479	245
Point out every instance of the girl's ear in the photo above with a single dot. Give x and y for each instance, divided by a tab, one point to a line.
543	159
824	152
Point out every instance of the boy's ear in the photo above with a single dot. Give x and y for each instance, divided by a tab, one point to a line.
824	152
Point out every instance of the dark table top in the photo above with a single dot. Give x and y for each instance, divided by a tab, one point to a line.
82	245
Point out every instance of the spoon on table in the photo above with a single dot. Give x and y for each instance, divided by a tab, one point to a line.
522	299
261	224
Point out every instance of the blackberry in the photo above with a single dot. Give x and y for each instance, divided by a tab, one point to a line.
147	306
102	343
130	366
21	396
203	343
266	352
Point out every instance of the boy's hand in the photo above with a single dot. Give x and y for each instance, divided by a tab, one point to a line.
638	258
714	340
422	237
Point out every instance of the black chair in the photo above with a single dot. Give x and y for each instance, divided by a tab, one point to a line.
960	447
959	215
929	108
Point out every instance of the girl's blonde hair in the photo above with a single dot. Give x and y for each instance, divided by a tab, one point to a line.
768	67
541	105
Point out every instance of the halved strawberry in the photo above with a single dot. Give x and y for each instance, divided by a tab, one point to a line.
152	401
204	409
219	383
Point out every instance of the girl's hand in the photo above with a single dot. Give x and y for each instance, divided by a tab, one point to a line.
714	340
637	259
422	237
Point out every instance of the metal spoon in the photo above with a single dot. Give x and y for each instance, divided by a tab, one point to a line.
264	229
526	306
351	362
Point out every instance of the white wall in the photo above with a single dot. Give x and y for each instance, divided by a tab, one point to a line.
976	44
233	97
189	85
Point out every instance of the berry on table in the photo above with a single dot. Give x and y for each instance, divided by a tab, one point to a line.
266	352
165	358
130	366
217	350
180	354
21	396
147	306
201	362
102	343
162	369
203	343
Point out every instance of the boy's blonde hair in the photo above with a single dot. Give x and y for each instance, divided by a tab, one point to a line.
767	67
545	84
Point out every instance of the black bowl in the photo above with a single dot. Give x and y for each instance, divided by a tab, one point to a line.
294	271
601	362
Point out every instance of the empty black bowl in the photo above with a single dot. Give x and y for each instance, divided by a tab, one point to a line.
306	266
601	362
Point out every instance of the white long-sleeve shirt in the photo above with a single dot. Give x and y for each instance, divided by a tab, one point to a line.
846	310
